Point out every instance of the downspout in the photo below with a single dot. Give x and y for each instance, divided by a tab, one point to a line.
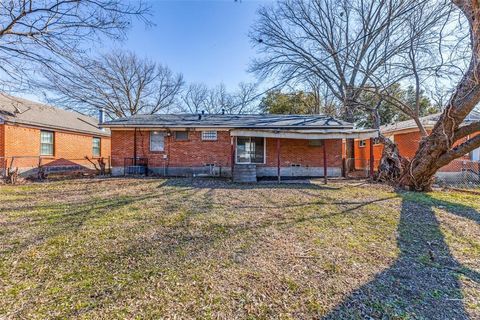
372	159
278	160
232	155
169	142
135	146
325	166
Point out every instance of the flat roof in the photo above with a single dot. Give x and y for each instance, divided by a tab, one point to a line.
251	121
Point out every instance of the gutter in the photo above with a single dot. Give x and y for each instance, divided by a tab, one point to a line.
153	126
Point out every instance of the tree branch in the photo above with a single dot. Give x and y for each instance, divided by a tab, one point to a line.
466	130
459	151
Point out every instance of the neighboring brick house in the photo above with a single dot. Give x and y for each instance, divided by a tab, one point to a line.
33	134
273	145
407	137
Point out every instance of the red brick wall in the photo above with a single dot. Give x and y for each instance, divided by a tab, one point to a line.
295	151
196	152
2	141
23	143
407	143
362	154
190	153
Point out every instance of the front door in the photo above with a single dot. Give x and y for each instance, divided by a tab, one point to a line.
250	150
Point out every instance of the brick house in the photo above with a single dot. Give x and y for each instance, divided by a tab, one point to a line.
219	144
407	137
33	134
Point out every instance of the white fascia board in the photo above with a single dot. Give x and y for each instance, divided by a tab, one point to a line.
314	135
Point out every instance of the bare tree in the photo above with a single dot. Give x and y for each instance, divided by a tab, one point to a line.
341	43
198	98
439	147
431	54
245	99
43	33
120	83
219	100
194	98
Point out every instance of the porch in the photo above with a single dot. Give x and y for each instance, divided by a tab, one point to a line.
290	153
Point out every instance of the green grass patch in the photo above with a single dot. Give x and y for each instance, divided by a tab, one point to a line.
186	248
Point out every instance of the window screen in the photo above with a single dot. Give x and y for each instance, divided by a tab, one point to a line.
157	141
181	135
315	143
209	135
96	147
46	143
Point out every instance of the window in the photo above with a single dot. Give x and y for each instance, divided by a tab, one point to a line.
46	143
209	135
250	150
157	141
96	147
181	135
362	143
476	155
376	141
315	143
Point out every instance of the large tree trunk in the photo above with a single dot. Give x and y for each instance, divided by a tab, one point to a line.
437	149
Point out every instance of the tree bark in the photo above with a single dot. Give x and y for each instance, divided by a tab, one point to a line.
437	149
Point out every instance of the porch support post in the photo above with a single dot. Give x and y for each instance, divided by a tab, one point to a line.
232	155
135	147
325	161
372	160
278	160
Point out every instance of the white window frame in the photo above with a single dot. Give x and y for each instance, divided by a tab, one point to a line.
209	135
99	147
52	144
157	133
250	162
362	143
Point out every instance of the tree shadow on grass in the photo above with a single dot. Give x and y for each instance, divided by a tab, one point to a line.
217	183
424	281
61	219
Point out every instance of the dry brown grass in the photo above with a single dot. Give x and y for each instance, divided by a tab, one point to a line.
146	248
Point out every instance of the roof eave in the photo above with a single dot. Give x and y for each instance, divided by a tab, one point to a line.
110	125
47	127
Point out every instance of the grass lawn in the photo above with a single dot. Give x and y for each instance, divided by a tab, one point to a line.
180	248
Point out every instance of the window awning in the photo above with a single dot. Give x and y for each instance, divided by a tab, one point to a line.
307	134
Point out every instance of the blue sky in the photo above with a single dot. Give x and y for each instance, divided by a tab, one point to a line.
206	41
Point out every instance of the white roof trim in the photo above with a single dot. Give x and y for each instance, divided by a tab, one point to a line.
307	134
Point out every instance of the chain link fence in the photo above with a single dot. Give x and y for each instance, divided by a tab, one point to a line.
460	173
161	166
31	166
